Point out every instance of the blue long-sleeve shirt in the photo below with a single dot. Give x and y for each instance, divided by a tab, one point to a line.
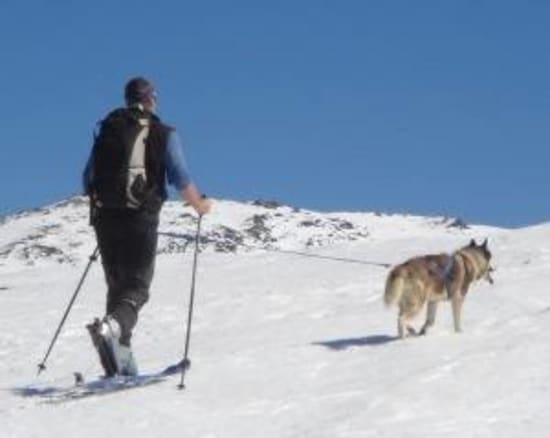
177	174
176	168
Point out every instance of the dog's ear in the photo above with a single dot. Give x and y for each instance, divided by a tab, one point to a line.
472	242
484	244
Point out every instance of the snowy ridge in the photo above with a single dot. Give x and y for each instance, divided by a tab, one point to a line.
60	233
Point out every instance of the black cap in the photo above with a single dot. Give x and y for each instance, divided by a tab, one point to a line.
139	90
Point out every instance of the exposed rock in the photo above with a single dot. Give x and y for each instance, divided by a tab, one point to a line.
259	230
227	239
455	223
266	204
310	223
342	224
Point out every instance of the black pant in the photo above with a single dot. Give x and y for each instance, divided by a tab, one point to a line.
127	242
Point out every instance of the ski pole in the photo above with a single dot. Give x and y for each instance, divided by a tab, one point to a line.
93	257
186	362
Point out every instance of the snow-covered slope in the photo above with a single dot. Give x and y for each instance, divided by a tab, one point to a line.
60	233
283	345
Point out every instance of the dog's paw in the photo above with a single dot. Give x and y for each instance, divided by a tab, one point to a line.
411	331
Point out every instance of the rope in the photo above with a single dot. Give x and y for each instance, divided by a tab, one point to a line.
297	253
318	256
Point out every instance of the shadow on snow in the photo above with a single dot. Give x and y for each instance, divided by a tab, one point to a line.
31	391
365	341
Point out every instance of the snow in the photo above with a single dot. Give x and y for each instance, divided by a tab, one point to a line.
282	345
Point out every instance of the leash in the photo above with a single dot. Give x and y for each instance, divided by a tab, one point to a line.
292	252
318	256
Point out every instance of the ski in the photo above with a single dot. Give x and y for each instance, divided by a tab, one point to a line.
99	386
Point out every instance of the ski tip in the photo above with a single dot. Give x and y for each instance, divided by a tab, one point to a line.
41	367
78	378
181	366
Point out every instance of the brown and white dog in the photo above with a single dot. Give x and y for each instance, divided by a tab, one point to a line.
433	278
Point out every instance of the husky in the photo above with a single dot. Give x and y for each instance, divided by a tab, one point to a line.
433	278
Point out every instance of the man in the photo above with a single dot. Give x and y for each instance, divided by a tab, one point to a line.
133	155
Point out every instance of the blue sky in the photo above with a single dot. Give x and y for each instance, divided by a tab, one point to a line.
424	107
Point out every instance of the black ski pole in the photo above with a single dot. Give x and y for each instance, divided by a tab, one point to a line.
186	362
93	257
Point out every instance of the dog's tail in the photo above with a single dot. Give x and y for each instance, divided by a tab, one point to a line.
394	288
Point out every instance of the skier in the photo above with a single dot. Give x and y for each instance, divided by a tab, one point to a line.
133	156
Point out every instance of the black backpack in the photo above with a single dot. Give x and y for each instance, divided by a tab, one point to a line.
128	161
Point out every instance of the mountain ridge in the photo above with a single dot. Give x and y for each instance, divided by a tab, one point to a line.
60	232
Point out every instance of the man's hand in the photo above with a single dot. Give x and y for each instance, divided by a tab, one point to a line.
203	207
201	204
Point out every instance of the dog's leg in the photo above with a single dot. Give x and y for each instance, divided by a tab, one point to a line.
408	309
457	301
401	327
430	317
404	329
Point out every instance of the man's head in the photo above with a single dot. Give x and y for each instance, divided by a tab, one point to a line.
139	90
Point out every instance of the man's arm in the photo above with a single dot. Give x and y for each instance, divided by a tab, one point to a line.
178	176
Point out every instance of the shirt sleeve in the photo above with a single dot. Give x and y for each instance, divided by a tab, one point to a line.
88	175
176	168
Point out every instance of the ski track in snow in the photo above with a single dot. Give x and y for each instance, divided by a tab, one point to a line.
282	345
